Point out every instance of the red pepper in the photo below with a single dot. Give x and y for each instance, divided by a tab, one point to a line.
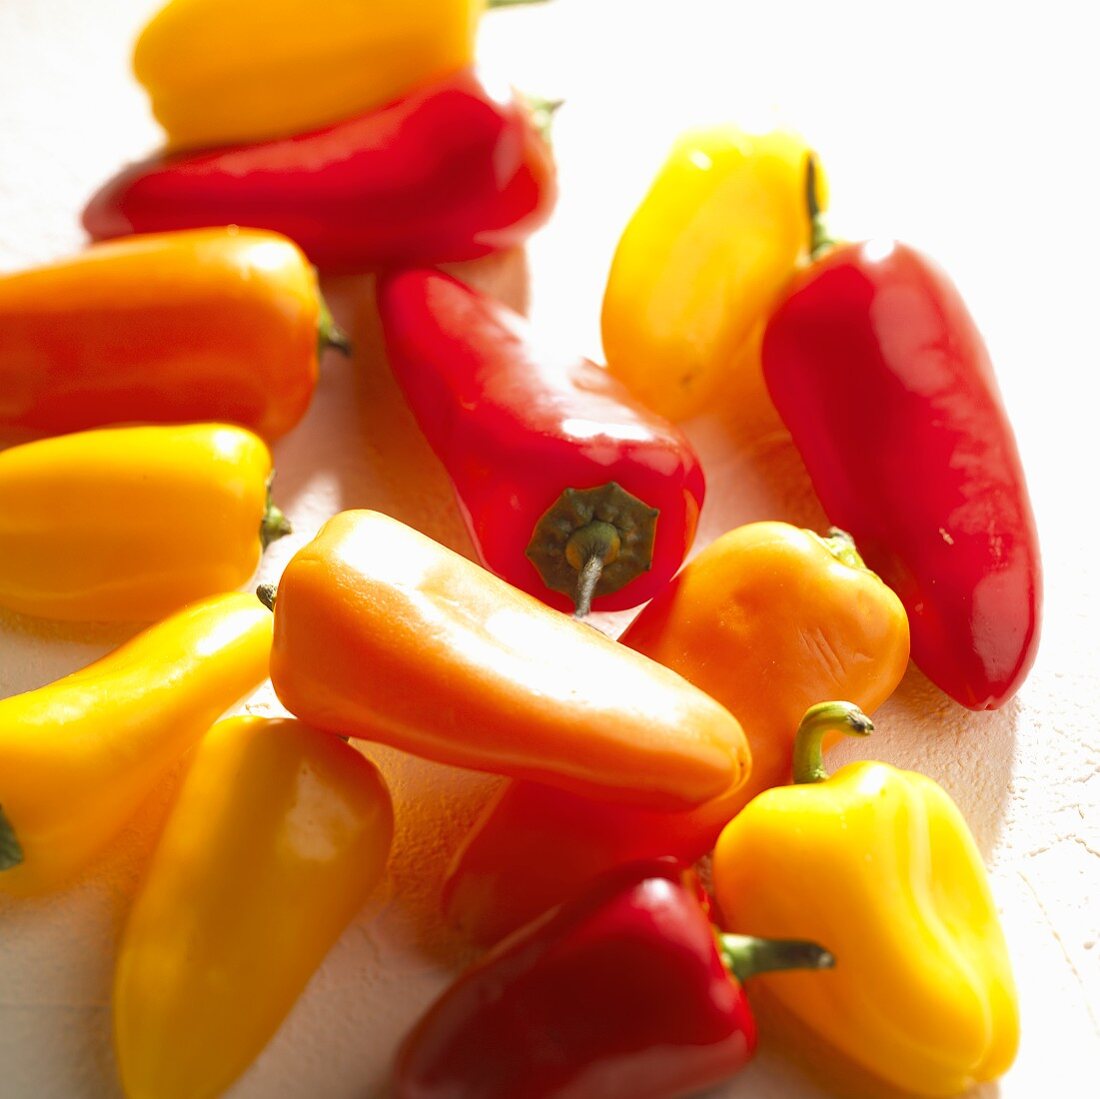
447	173
625	992
567	484
886	386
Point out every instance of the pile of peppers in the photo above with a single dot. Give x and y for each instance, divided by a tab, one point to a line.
152	371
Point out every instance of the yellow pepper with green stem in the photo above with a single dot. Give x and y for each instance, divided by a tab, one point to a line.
278	837
878	863
78	757
223	72
702	261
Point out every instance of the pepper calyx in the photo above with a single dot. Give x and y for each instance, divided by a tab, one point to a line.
820	241
329	333
11	850
745	956
267	594
605	524
842	546
274	524
825	717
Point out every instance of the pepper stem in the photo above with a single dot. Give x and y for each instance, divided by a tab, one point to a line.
825	717
267	594
11	851
843	547
590	548
511	3
745	956
542	114
329	333
820	241
275	524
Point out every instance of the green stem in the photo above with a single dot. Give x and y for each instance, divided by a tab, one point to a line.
511	3
745	956
842	546
825	717
267	594
329	333
542	114
275	524
11	851
820	241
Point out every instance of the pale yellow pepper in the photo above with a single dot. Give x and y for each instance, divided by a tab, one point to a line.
226	71
278	837
78	757
702	261
129	524
880	865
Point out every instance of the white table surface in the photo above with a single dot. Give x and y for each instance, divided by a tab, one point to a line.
966	129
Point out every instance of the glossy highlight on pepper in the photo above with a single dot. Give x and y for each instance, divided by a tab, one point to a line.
556	467
79	756
383	634
209	325
452	171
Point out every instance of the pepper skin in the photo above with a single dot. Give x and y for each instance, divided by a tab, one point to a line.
701	264
279	836
448	173
880	864
79	756
623	994
128	524
228	71
382	633
768	620
882	378
214	324
517	427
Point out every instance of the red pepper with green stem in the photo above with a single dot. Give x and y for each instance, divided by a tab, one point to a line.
887	388
571	489
624	993
450	172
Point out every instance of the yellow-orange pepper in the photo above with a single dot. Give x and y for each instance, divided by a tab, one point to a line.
77	757
278	837
768	619
220	72
880	865
131	523
701	263
384	634
210	324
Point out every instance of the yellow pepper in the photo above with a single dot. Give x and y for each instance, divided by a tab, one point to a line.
702	262
78	756
220	72
131	523
279	835
879	865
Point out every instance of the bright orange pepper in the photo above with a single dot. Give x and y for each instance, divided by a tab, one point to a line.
384	634
77	757
209	324
278	837
127	524
767	619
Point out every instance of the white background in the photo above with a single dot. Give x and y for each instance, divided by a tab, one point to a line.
966	129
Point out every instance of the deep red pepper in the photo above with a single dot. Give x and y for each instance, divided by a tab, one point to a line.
562	476
886	386
448	173
624	993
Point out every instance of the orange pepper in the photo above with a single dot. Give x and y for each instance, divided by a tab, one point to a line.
384	634
768	619
212	324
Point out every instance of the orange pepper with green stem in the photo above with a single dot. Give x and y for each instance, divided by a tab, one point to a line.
208	324
278	837
128	524
768	619
383	634
881	863
77	757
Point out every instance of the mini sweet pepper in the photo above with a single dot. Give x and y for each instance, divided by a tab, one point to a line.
880	864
